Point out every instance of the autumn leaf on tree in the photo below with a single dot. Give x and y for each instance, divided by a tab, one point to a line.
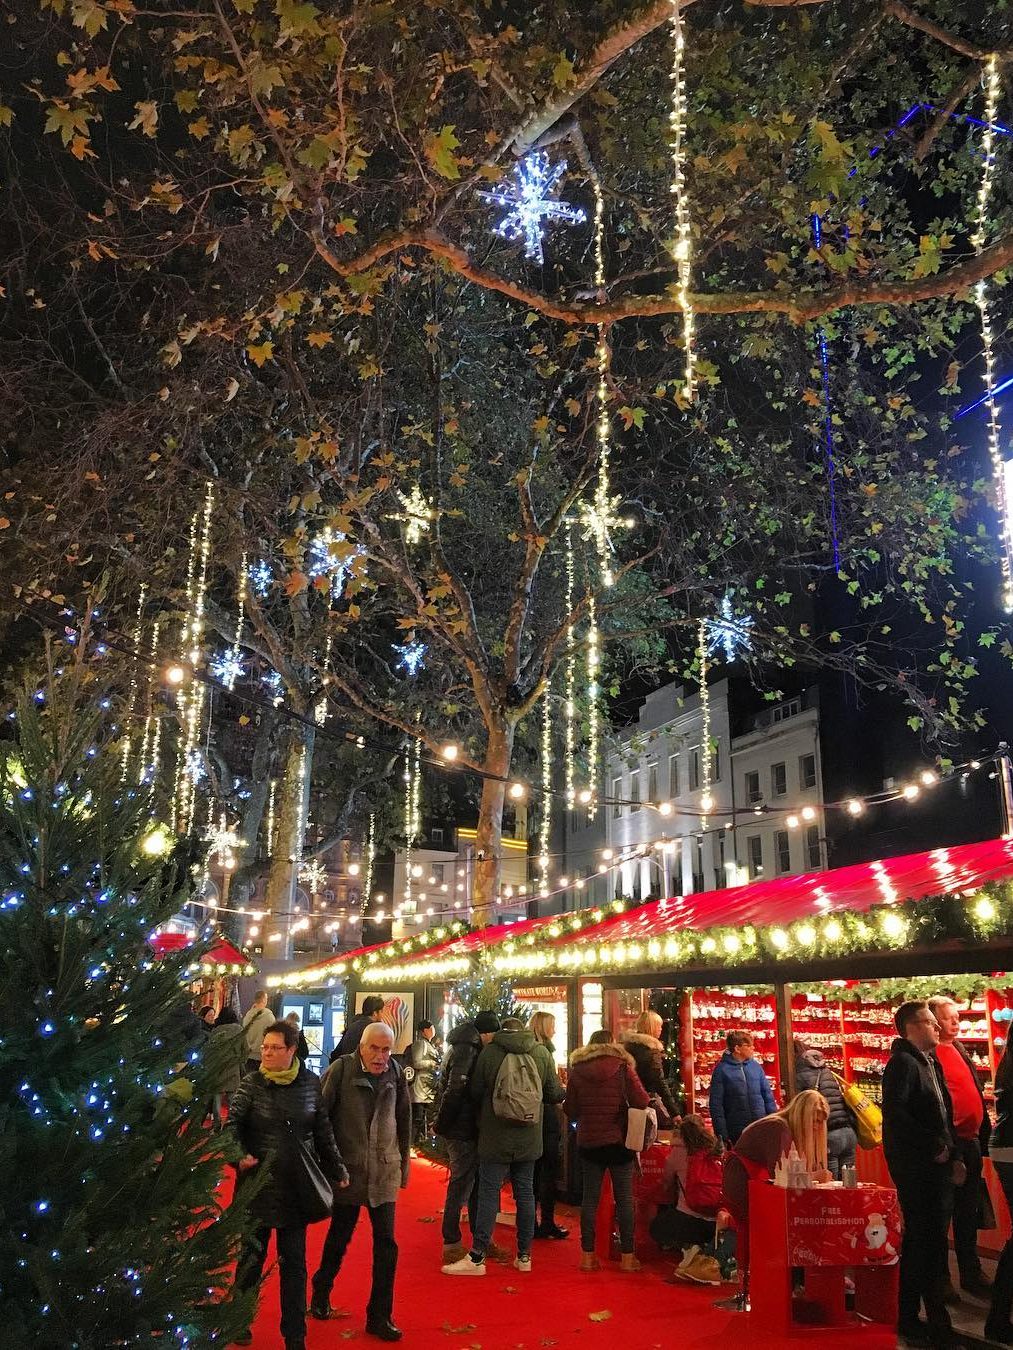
295	583
68	121
632	417
319	339
259	354
440	149
146	120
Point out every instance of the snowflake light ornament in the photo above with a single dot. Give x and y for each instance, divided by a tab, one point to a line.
729	633
260	578
410	656
227	667
416	516
314	874
529	202
323	561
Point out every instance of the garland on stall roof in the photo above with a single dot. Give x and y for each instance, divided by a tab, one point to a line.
961	987
391	953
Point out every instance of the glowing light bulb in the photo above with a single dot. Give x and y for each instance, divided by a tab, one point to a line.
707	803
808	813
910	791
354	869
855	807
984	909
792	822
175	674
517	790
665	808
928	778
450	752
584	796
156	842
417	869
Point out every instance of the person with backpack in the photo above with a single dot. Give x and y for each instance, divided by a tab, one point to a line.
693	1176
602	1085
812	1071
514	1079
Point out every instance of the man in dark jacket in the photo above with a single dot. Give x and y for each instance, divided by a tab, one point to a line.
457	1122
920	1147
507	1147
366	1098
812	1071
277	1115
739	1091
972	1128
372	1010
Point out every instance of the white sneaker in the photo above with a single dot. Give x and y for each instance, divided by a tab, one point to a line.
466	1266
523	1263
687	1257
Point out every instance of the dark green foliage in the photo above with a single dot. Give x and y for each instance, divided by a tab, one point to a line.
114	1232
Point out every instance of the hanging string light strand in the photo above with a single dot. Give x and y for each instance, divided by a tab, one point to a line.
682	243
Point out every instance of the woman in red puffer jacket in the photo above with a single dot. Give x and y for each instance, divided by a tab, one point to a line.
603	1082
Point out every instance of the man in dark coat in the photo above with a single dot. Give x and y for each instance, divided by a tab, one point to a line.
739	1091
812	1071
366	1098
972	1128
372	1010
920	1148
276	1114
457	1122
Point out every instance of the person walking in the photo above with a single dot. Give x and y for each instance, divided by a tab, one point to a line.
351	1037
546	1180
426	1059
998	1325
920	1148
813	1072
644	1044
972	1128
256	1022
513	1080
601	1086
302	1050
739	1091
366	1098
280	1123
225	1055
457	1123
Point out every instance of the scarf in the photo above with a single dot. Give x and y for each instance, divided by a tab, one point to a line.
282	1077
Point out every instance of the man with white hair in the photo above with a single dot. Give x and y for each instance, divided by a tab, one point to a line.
972	1128
367	1099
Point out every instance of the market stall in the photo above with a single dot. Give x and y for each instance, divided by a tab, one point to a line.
212	978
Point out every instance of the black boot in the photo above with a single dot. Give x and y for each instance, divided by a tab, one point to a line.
383	1329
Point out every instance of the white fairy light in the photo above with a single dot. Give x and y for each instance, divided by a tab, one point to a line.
132	696
367	878
320	710
270	817
570	676
682	251
151	739
417	515
226	667
261	578
545	814
192	698
729	632
999	471
529	203
230	667
410	656
593	714
223	841
314	874
706	798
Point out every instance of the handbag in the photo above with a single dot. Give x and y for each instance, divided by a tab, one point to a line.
868	1116
316	1198
641	1124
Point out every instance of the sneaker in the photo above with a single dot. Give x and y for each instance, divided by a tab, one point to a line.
523	1263
702	1270
687	1256
466	1266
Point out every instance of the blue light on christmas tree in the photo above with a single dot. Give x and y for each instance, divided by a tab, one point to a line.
529	203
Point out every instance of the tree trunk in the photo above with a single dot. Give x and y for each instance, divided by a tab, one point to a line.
489	835
290	812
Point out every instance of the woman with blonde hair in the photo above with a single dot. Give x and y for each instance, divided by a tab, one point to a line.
543	1027
644	1044
762	1145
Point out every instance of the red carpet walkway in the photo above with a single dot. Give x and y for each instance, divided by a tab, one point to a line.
555	1306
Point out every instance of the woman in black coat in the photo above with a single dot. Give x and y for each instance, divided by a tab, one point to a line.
278	1120
812	1071
998	1326
546	1179
649	1057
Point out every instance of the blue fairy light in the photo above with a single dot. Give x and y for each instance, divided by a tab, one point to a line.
729	633
410	656
47	1029
260	577
227	667
529	202
41	1206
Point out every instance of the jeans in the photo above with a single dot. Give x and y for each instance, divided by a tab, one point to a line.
841	1146
462	1189
926	1201
966	1212
1002	1287
592	1176
339	1234
291	1245
491	1176
671	1227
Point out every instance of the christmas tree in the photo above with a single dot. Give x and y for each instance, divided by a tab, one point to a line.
110	1197
486	991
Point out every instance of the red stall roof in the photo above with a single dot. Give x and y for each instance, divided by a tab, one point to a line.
223	954
912	876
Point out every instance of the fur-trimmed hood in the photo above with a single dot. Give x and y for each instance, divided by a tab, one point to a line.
607	1049
642	1038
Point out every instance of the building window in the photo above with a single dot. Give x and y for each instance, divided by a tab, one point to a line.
436	835
720	867
807	771
716	762
753	793
778	780
634	790
694	770
698	864
328	896
754	850
813	855
782	851
437	873
673	775
617	792
652	782
785	710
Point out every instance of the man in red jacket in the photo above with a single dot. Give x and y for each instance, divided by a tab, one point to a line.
972	1127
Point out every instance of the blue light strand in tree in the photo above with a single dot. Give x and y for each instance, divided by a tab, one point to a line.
227	667
529	203
729	633
410	656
